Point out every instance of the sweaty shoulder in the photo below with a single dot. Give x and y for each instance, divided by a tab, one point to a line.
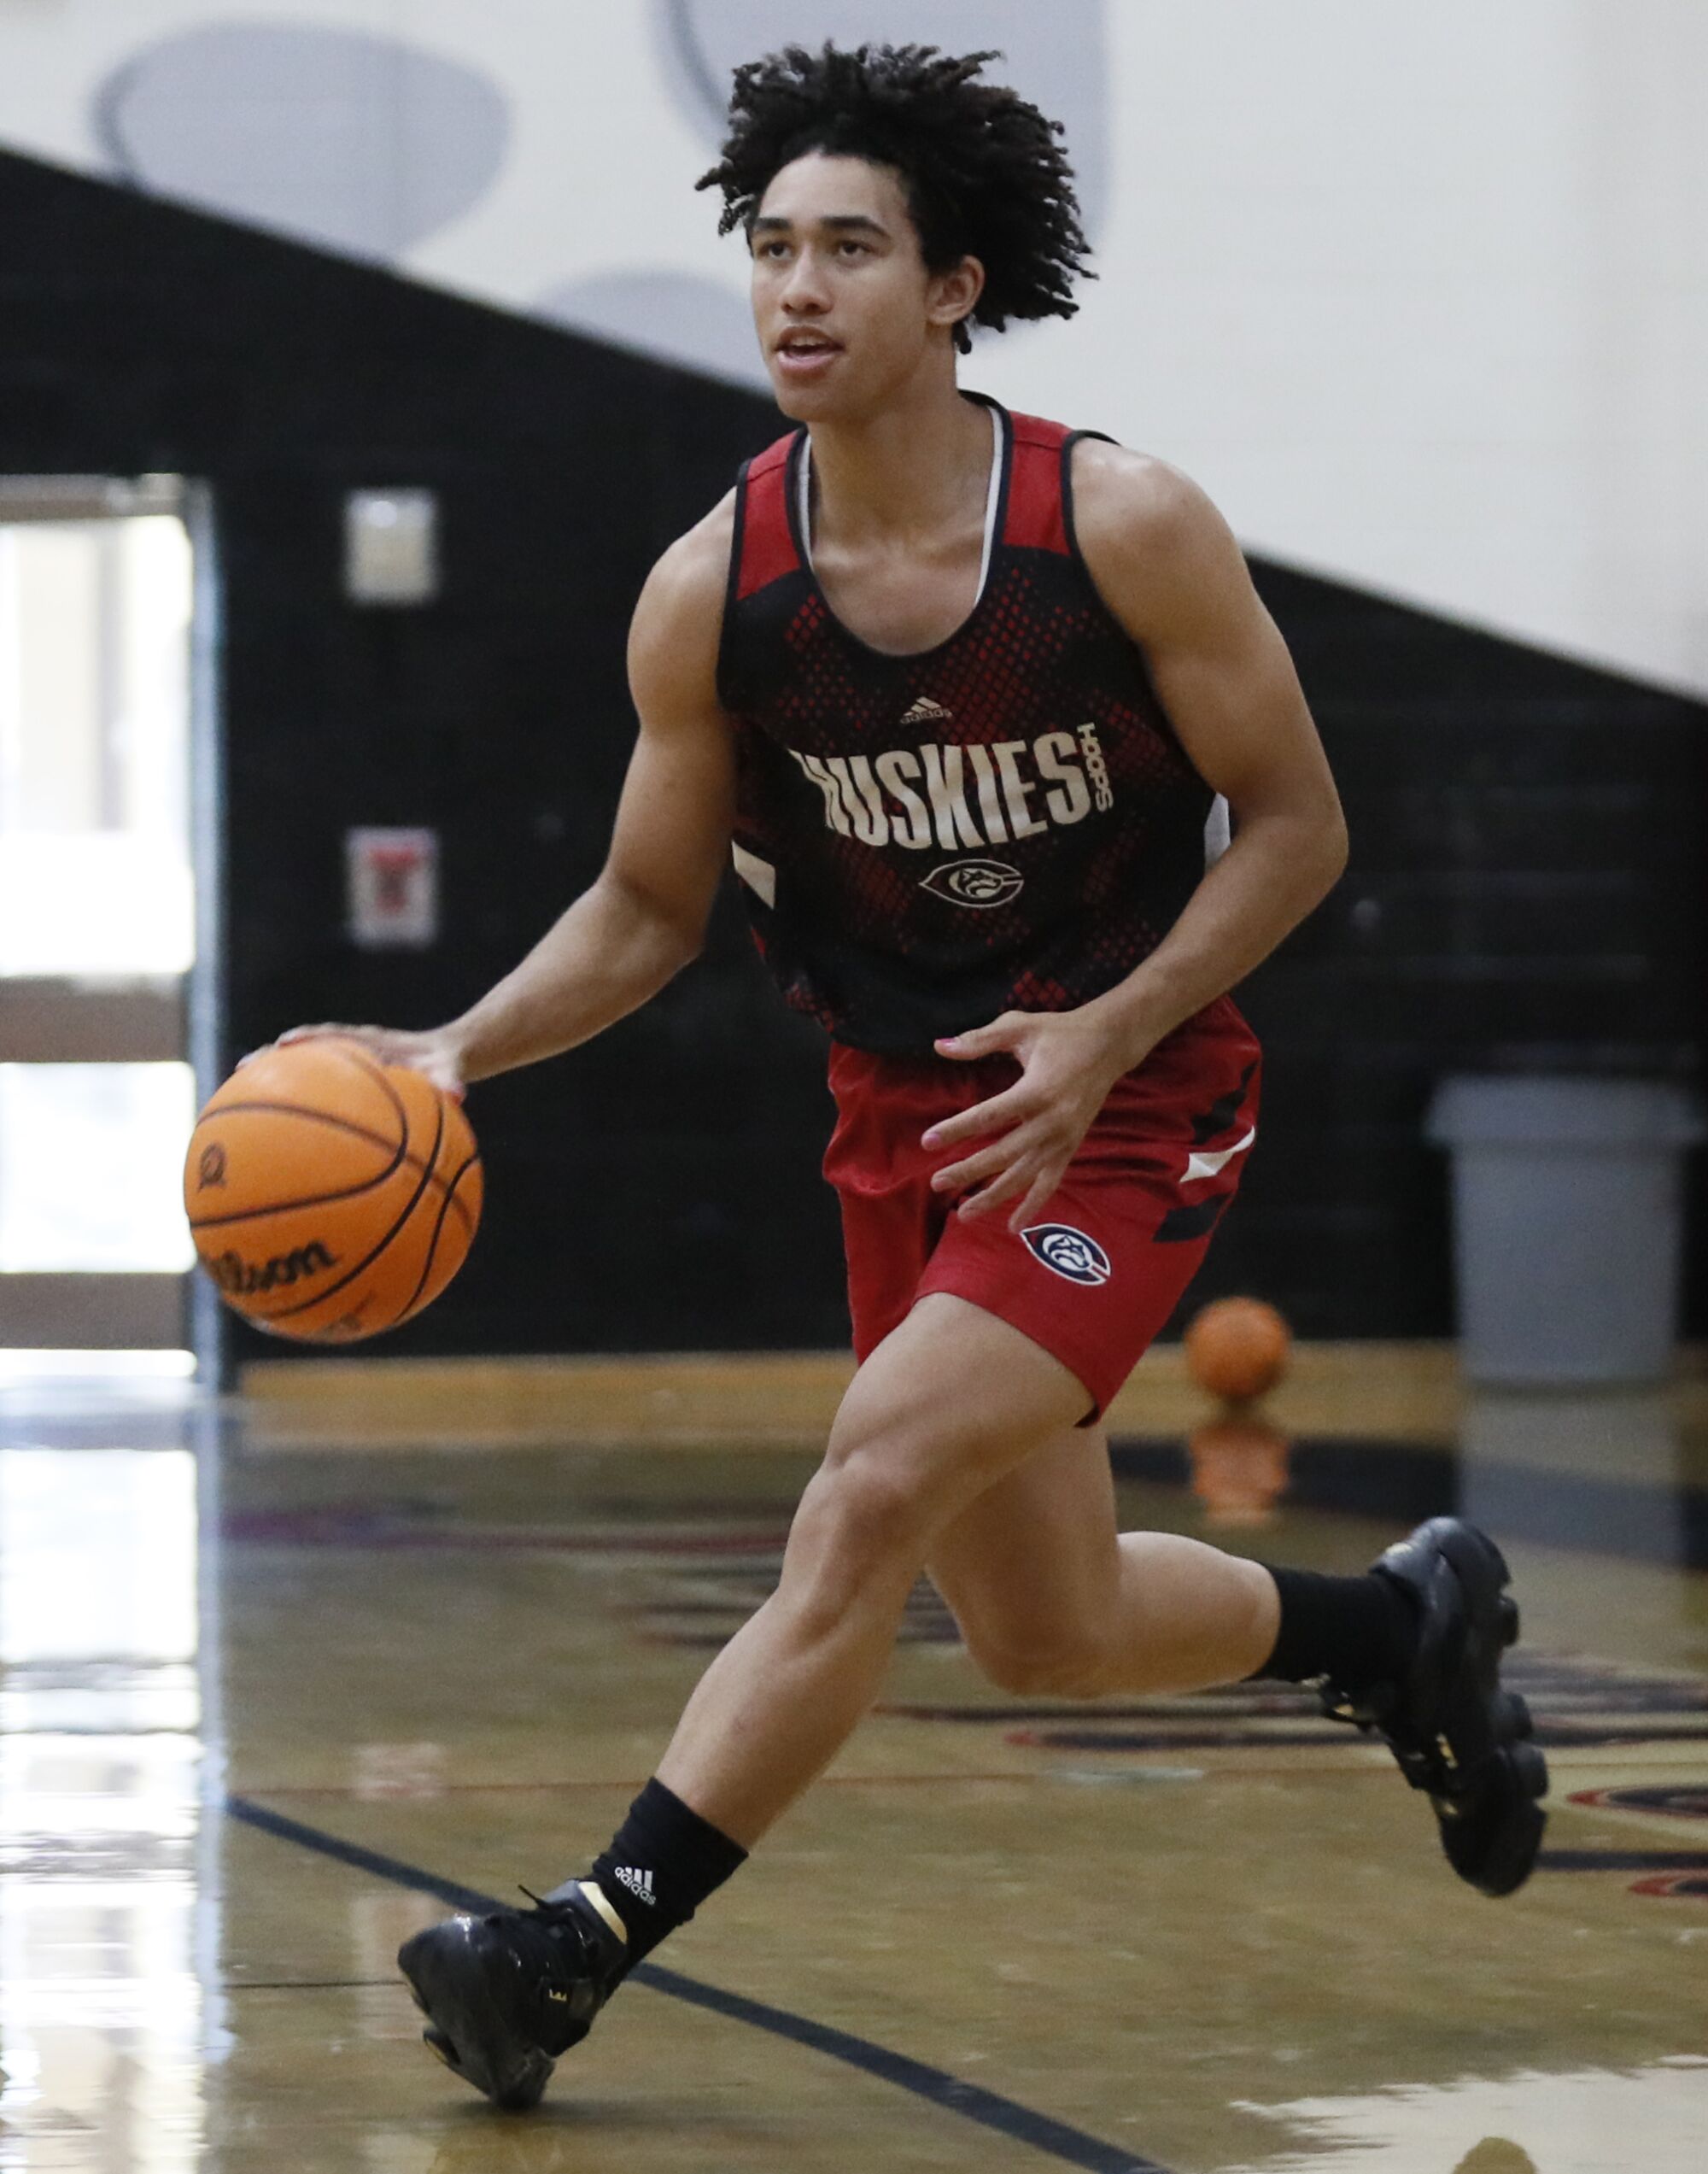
1151	538
674	637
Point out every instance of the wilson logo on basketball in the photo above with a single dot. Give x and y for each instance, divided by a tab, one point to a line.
211	1170
243	1278
974	883
1069	1252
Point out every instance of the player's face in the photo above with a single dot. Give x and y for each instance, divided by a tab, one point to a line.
844	306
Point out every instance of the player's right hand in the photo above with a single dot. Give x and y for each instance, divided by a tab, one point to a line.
436	1052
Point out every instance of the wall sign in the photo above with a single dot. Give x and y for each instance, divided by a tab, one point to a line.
391	547
392	887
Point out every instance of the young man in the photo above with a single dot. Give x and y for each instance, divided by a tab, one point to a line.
963	692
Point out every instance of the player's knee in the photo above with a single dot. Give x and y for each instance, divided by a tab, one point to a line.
860	1525
876	1511
887	1476
1074	1665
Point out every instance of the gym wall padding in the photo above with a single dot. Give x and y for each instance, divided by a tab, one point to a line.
1527	833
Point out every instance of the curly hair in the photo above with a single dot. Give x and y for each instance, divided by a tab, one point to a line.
981	168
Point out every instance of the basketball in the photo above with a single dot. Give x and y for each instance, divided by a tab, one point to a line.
1236	1348
330	1197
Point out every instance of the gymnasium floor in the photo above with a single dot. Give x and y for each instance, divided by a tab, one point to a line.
434	1648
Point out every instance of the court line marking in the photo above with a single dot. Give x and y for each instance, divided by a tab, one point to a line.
1622	1860
373	1793
988	2109
380	1793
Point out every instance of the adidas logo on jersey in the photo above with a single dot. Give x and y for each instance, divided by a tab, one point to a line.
925	711
638	1883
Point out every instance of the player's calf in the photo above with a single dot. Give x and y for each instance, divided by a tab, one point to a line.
1076	1667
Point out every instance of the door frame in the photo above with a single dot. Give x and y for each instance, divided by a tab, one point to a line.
55	1020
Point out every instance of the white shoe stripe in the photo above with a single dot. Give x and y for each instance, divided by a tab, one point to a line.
1207	1166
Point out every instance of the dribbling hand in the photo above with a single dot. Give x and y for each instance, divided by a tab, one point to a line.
436	1052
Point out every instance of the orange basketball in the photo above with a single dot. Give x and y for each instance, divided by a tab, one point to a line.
330	1197
1236	1348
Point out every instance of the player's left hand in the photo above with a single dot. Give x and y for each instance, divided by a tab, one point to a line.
1068	1062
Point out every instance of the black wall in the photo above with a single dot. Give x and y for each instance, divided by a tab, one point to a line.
1525	894
1527	834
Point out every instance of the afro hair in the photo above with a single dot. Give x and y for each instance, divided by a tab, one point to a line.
983	173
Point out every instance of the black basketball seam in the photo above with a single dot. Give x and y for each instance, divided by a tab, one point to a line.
408	1306
324	1336
451	1185
299	1109
400	1156
354	1053
449	1201
320	1117
351	1054
367	1261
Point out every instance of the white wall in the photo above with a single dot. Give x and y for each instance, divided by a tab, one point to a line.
1421	294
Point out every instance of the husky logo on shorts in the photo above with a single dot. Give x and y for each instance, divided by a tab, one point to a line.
974	883
1069	1252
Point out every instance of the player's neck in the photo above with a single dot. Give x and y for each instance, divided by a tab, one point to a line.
903	472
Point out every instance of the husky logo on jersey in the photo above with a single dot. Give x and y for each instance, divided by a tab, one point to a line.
974	883
1069	1252
960	798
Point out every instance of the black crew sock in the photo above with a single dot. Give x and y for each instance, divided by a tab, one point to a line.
1358	1631
661	1864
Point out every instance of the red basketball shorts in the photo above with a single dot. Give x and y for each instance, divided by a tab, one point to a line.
1096	1274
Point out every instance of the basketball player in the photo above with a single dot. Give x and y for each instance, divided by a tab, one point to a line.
965	693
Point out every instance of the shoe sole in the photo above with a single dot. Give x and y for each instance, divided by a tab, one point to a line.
1515	1772
448	1982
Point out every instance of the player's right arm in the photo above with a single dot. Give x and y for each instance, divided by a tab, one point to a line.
645	916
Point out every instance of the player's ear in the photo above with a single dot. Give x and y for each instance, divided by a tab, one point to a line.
954	294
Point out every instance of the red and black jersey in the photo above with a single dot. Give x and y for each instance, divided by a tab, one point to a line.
1006	821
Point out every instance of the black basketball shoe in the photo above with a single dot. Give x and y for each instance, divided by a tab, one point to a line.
1456	1734
504	1995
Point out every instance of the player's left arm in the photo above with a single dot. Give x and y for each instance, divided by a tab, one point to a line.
1169	568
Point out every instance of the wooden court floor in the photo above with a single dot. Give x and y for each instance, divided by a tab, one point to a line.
273	1697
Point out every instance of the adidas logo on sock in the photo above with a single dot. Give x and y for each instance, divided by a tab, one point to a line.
925	711
638	1883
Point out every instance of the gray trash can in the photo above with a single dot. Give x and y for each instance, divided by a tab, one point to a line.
1567	1206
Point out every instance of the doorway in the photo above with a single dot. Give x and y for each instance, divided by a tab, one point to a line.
101	929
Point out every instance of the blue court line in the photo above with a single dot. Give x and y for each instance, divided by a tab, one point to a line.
1622	1860
1054	2139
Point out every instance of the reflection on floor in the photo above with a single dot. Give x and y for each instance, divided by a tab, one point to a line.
262	1714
